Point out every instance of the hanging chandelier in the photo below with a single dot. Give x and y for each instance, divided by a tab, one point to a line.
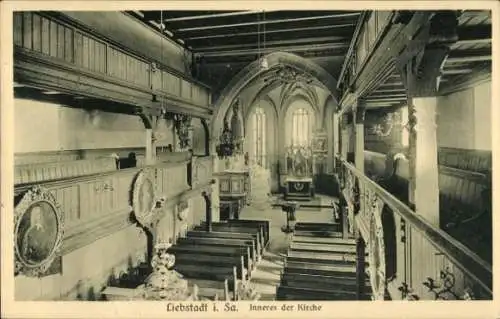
264	65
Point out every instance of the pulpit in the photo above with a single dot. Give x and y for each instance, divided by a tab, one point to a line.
234	188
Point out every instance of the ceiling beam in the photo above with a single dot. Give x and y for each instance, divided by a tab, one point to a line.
473	34
288	30
456	71
294	48
211	16
469	56
271	43
266	22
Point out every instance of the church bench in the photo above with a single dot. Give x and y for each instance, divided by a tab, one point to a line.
319	227
315	233
320	257
214	251
202	260
217	226
262	223
223	242
228	235
330	248
320	269
330	285
294	293
227	228
340	283
217	272
323	240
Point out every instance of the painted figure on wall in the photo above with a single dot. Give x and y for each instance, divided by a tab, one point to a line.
37	233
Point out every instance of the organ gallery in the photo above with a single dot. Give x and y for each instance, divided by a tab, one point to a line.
268	155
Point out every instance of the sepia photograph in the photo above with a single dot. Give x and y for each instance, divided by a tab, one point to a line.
192	156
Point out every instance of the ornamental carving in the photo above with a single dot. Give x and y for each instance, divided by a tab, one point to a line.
376	248
38	232
144	197
182	125
165	283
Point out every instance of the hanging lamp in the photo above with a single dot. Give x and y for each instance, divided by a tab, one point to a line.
263	60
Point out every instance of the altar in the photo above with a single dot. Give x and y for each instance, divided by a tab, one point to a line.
299	188
298	183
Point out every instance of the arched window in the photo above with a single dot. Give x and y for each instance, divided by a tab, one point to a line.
258	131
301	127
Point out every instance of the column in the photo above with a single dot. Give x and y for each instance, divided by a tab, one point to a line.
336	139
149	147
420	65
359	133
424	170
344	143
360	266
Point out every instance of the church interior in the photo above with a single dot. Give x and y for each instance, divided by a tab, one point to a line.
252	155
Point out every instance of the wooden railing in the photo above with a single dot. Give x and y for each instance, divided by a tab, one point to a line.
437	267
43	40
368	32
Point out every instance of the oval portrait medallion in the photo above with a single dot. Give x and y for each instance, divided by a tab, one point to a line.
143	197
38	232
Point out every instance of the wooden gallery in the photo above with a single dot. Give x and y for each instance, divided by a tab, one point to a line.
252	155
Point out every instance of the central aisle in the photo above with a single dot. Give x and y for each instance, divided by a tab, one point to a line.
266	276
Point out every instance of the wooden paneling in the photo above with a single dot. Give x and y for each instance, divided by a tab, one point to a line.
30	173
43	33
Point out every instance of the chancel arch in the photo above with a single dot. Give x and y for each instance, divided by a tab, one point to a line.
254	71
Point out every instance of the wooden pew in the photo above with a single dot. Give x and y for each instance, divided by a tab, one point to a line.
262	223
322	282
327	248
225	226
295	293
323	240
320	257
228	235
348	271
223	242
214	270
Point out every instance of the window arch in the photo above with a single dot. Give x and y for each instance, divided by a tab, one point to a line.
301	127
258	133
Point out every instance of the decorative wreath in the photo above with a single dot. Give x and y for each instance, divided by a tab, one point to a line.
144	197
38	232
